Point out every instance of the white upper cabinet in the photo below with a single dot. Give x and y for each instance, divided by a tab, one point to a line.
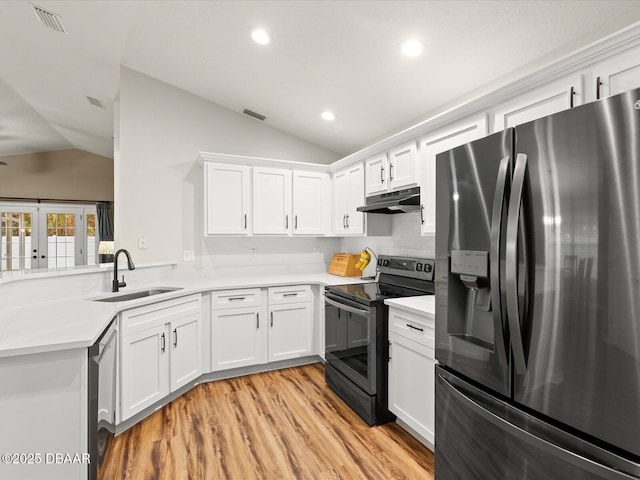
431	145
311	201
617	74
227	199
271	201
348	195
403	166
376	174
546	100
392	170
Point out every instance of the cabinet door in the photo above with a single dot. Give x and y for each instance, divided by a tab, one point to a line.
290	331
145	369
355	199
546	100
412	384
271	201
238	338
185	351
440	141
376	174
403	166
340	188
311	202
227	199
618	74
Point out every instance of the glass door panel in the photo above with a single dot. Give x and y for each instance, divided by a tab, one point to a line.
92	236
63	245
17	233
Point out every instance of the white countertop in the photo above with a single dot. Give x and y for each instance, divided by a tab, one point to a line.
422	305
78	322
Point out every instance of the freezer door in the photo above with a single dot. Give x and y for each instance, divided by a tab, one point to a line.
580	329
472	190
479	437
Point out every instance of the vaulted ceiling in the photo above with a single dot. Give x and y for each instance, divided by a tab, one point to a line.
337	55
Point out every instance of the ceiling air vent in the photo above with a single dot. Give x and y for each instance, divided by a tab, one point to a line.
49	19
246	111
95	102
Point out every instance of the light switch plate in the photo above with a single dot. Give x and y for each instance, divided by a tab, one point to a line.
188	255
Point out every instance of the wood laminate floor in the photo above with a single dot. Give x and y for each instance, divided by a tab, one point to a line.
279	425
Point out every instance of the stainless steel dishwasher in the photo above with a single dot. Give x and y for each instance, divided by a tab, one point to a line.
102	396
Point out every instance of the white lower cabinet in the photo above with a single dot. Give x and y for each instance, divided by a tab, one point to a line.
290	331
290	322
412	372
252	327
237	338
145	370
185	351
160	351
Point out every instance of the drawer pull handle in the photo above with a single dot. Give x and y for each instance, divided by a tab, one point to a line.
175	337
163	347
415	328
257	321
271	319
295	294
233	299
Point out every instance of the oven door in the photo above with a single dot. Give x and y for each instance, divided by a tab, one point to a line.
350	340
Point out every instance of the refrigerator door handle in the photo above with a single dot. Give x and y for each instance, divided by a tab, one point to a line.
511	260
496	227
576	459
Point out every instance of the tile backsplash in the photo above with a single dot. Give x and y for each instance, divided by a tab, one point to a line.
405	240
260	255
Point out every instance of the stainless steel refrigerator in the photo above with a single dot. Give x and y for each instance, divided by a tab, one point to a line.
538	299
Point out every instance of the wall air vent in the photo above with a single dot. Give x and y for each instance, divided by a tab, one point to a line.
49	19
246	111
95	102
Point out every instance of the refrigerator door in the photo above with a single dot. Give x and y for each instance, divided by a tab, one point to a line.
482	438
472	188
579	323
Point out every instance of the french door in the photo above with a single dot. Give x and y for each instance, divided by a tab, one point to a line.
47	236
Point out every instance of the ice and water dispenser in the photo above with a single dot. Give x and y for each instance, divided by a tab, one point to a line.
471	292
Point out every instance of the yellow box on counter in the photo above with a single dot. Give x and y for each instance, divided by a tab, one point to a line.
344	265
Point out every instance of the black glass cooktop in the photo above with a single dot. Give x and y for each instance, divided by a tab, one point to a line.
369	293
358	291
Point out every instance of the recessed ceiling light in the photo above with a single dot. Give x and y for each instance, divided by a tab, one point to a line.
261	36
411	48
328	116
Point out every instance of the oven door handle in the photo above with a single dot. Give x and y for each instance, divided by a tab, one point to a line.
342	306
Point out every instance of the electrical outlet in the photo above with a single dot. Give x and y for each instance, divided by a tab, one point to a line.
189	255
253	253
142	243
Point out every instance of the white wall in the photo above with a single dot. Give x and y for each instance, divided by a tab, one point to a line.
158	185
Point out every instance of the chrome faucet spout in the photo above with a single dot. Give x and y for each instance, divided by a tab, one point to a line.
117	284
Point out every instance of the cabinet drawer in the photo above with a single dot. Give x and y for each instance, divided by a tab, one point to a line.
289	294
419	328
149	316
224	299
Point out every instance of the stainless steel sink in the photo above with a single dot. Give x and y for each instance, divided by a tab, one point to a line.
134	295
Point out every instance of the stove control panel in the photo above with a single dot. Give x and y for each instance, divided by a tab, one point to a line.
412	267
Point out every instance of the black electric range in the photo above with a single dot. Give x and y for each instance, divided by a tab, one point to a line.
398	277
356	333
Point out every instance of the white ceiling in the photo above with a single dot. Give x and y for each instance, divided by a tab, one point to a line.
338	55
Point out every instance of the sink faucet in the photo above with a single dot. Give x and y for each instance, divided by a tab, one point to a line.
116	283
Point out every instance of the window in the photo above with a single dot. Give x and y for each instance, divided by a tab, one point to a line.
35	236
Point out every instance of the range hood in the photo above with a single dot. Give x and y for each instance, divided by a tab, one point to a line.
402	201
